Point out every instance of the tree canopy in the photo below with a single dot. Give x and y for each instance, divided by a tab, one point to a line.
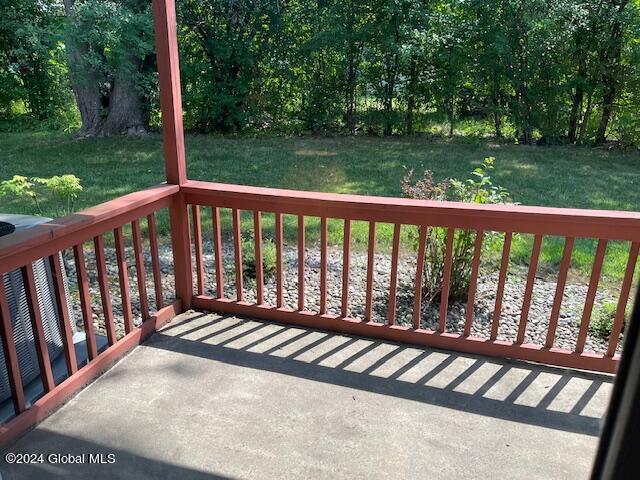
544	71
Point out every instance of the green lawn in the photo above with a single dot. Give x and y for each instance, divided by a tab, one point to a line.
552	176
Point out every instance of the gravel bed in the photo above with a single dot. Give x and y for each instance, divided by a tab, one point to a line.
541	304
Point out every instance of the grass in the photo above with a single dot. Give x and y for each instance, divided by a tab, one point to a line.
551	176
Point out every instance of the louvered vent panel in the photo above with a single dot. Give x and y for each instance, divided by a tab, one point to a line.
22	332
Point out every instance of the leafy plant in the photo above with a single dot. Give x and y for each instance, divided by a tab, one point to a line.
601	324
62	191
479	188
249	258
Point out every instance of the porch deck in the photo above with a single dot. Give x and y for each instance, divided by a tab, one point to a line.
212	396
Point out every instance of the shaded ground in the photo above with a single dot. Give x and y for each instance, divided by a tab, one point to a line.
222	397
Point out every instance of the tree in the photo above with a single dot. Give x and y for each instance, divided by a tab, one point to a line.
111	64
32	68
611	62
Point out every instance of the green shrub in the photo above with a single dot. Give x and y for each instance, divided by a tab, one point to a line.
476	189
63	190
249	258
601	324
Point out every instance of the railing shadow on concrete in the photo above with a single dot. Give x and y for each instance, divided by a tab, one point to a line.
534	394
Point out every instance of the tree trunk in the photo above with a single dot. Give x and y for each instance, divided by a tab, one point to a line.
451	116
610	75
85	86
495	101
411	95
120	110
576	107
585	118
607	109
497	124
127	114
388	109
350	114
352	60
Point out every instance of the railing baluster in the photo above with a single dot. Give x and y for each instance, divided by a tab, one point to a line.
85	301
257	234
141	275
46	375
473	282
618	321
217	246
528	291
155	260
371	249
417	292
123	279
346	260
301	260
323	265
197	241
64	320
237	248
393	281
279	262
591	295
557	301
446	280
105	296
504	268
10	355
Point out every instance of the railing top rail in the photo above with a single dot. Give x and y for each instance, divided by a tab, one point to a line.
606	224
42	240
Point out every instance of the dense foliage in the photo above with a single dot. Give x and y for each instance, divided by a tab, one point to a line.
60	191
532	70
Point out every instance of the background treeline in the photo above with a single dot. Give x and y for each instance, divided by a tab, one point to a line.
537	71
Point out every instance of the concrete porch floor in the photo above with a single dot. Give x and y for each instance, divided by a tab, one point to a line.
211	396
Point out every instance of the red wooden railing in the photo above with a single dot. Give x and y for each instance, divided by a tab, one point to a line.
571	224
20	250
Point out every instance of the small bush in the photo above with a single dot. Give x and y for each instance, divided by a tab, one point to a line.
601	324
249	258
62	190
476	189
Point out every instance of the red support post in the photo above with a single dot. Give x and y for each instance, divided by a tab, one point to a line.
446	280
417	288
279	265
393	281
140	271
502	278
217	245
371	251
197	242
84	291
301	261
528	291
323	265
257	238
63	314
346	258
164	20
123	280
473	283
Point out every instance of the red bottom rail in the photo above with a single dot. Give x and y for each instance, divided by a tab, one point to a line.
448	341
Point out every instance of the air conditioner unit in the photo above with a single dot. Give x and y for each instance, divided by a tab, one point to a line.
19	311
